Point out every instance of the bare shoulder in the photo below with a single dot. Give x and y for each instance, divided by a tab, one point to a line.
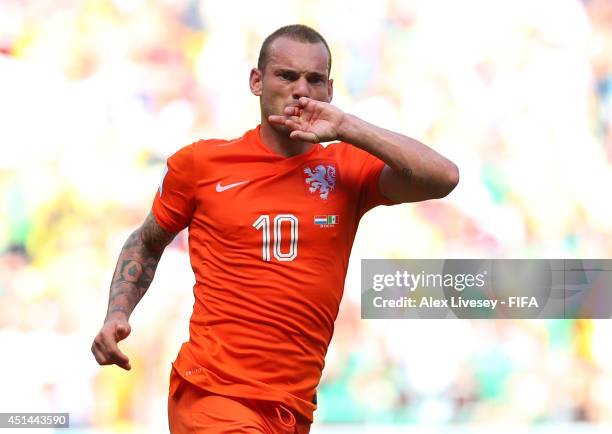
153	235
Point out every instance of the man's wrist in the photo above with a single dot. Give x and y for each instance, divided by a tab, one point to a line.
118	313
347	131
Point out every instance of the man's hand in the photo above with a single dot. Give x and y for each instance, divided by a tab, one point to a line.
104	347
311	121
133	275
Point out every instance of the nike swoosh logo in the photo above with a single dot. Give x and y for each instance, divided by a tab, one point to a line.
220	188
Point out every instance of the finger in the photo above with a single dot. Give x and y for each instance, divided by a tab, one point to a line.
119	359
293	123
292	111
304	136
277	119
106	352
303	101
123	363
99	354
100	351
112	353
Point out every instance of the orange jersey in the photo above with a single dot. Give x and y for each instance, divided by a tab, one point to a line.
269	243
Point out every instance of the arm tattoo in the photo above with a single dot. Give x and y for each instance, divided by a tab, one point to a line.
407	173
120	309
136	266
424	183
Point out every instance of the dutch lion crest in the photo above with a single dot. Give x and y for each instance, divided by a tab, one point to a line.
322	179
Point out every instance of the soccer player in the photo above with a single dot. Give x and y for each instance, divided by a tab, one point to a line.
272	216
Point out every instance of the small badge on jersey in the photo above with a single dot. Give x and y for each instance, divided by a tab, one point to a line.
326	221
320	179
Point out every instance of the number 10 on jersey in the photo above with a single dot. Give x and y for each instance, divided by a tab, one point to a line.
263	223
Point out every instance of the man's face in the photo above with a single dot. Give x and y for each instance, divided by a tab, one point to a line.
293	70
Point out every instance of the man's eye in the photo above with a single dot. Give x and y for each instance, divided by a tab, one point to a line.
315	80
286	75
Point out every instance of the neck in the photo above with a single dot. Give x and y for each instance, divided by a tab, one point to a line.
280	143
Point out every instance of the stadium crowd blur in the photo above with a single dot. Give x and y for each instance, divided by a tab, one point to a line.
96	94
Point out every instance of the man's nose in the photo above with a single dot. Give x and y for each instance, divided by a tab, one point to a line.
301	88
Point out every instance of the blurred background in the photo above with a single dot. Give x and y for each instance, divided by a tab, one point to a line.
96	94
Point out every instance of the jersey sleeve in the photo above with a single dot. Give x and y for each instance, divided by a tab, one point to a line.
174	201
364	170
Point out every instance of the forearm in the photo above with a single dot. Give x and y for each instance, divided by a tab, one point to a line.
416	163
133	275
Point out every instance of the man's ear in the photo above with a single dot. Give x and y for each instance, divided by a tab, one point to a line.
330	89
255	81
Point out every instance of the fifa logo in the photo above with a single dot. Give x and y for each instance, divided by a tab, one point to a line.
322	180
